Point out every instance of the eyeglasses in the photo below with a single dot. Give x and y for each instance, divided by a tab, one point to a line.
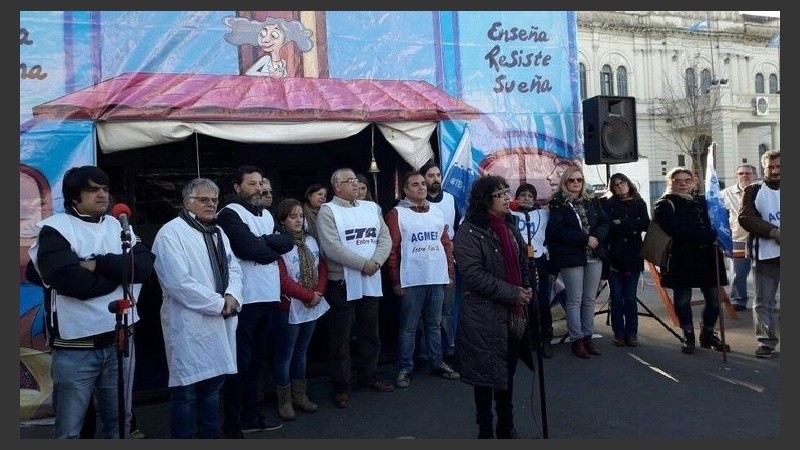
206	200
267	192
681	180
574	180
349	180
502	194
744	173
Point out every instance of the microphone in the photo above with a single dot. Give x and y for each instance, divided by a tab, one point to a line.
517	206
119	306
122	212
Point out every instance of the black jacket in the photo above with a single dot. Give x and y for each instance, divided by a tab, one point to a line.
61	271
627	220
691	263
264	249
482	335
566	240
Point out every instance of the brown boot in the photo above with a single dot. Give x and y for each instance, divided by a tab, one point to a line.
579	350
285	409
590	347
299	397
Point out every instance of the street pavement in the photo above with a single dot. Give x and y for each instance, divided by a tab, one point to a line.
652	391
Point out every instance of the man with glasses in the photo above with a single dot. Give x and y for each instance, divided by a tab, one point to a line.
201	283
732	198
78	258
250	229
356	242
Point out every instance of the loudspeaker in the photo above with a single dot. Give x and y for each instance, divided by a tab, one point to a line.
609	130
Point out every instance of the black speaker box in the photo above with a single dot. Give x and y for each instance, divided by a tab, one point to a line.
609	130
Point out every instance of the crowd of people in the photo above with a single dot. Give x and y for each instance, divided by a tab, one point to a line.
244	283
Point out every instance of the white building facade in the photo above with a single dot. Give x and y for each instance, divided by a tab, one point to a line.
732	58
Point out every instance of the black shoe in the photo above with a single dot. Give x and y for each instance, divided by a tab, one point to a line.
234	434
739	308
763	351
260	423
710	340
507	433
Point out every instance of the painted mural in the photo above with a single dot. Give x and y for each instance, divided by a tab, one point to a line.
518	68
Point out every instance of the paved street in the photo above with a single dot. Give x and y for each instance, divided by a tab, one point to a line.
649	392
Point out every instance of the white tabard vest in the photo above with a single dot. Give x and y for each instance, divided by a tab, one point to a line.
358	229
260	283
538	224
448	207
768	203
422	257
83	318
298	311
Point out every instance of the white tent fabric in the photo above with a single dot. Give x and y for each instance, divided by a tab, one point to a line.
410	139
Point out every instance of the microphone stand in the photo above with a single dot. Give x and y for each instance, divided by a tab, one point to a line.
535	329
120	333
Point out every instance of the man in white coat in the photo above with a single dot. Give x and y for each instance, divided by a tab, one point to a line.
201	283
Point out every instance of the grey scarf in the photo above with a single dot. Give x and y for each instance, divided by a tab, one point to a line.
216	251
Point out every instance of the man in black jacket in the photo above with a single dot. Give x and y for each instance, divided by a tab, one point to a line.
250	229
85	259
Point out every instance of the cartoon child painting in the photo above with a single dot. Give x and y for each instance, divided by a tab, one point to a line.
270	36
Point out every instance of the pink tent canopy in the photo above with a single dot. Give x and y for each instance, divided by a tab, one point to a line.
239	98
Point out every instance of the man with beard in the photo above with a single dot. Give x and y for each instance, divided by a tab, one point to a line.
250	229
447	204
760	215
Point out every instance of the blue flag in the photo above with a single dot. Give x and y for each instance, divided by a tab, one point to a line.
717	212
698	26
462	171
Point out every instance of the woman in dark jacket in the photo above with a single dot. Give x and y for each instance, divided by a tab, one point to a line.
684	217
628	218
490	255
576	234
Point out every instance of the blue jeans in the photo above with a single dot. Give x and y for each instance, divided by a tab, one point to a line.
76	375
195	404
623	303
581	284
425	301
291	348
741	269
682	300
768	281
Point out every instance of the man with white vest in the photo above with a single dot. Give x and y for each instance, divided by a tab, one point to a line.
447	204
78	258
760	215
355	241
250	229
420	266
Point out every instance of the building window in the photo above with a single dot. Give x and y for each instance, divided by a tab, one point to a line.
582	74
759	83
773	83
705	81
622	81
606	81
691	83
682	160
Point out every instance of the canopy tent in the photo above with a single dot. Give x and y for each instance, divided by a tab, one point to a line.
136	110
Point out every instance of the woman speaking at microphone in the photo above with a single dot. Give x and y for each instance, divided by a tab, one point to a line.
490	254
532	225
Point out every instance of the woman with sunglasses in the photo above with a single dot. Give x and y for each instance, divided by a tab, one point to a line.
576	234
684	216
